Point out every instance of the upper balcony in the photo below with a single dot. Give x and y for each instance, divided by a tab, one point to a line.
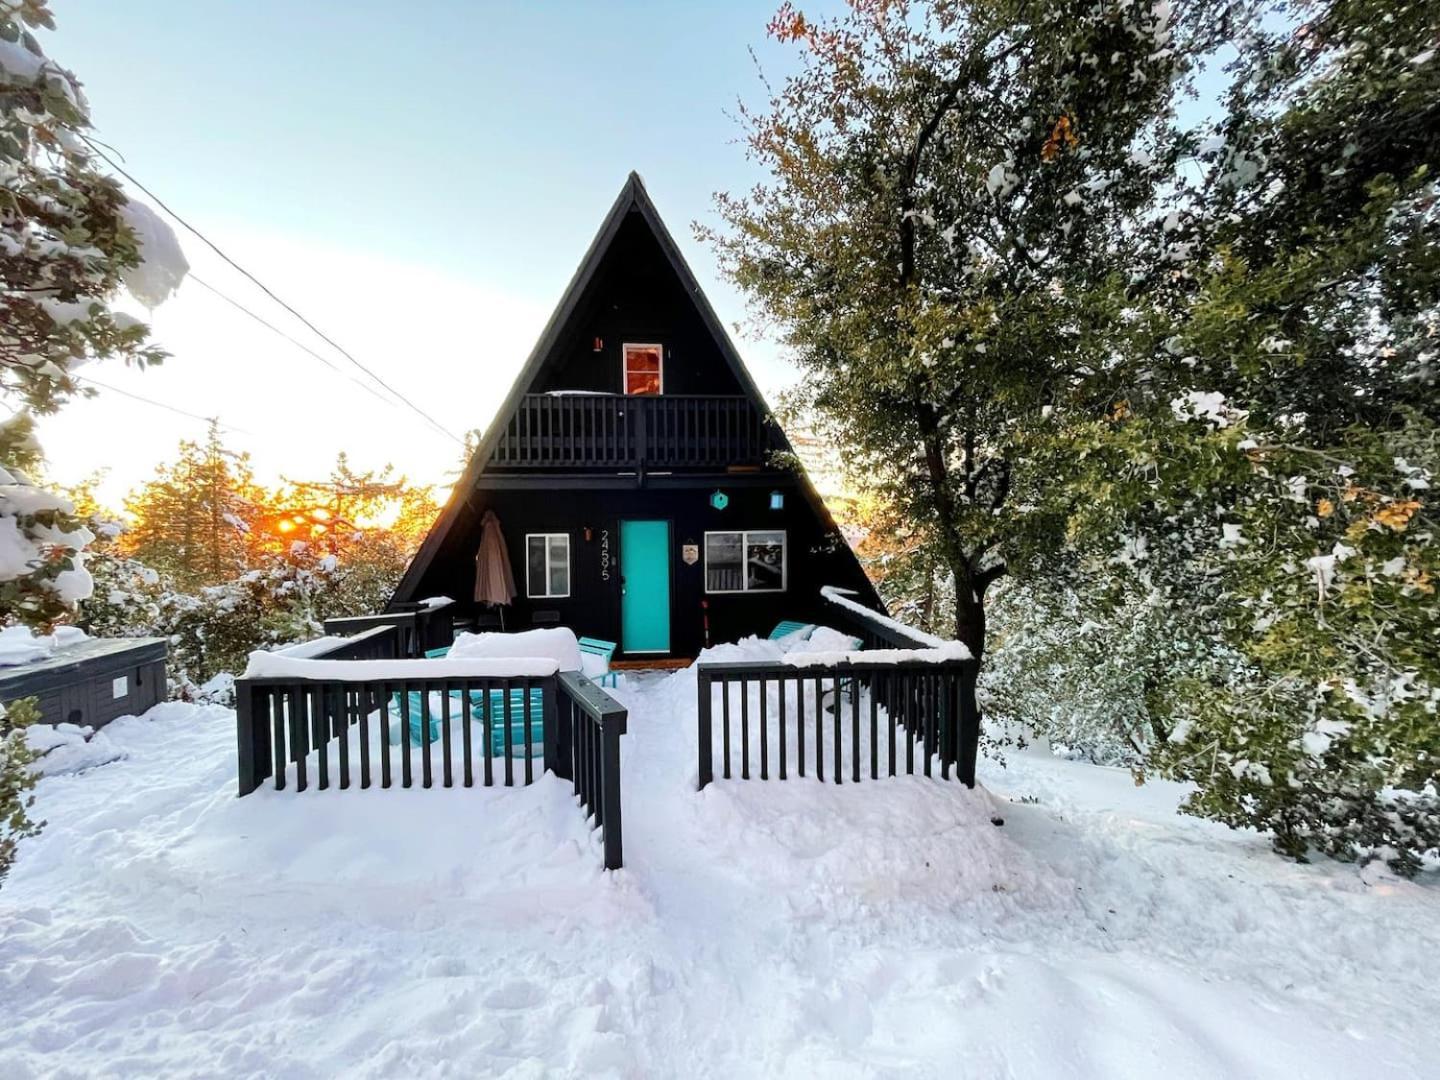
584	431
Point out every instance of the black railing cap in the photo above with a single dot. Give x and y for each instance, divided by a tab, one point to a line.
594	701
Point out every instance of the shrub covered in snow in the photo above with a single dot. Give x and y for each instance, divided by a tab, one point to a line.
285	598
42	568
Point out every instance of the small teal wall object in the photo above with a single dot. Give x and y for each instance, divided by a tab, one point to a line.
777	500
719	500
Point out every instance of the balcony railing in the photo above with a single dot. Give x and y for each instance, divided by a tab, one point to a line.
613	431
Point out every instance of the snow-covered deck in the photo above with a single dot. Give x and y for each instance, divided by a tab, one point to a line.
161	926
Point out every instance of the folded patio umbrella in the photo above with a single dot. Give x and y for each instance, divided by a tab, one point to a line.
494	580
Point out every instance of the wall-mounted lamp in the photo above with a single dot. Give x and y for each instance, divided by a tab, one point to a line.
599	345
588	534
719	500
777	500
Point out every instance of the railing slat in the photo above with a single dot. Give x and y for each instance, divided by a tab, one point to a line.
426	772
725	726
445	752
298	749
854	685
279	742
505	685
800	725
783	739
764	732
529	736
340	712
744	729
819	730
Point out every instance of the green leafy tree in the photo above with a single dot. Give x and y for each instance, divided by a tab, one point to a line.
957	204
1329	257
1283	445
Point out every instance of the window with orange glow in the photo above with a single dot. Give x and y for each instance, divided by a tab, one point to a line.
644	369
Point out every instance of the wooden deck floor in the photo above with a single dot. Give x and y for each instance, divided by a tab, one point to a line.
651	665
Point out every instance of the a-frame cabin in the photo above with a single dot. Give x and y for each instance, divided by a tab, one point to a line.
632	471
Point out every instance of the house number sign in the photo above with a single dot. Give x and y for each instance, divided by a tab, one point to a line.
604	554
690	553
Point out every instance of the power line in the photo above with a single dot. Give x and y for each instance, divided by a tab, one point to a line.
162	405
292	340
268	292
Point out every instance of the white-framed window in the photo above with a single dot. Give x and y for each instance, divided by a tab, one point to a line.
643	368
743	561
547	565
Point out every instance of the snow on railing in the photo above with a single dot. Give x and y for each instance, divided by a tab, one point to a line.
902	700
883	628
332	704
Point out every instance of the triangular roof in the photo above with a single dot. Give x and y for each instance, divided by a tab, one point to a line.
632	197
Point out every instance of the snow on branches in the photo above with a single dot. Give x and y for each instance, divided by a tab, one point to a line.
70	240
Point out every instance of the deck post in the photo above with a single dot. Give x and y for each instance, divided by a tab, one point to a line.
969	722
707	763
557	755
252	739
611	728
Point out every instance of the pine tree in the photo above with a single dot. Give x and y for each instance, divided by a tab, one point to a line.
191	522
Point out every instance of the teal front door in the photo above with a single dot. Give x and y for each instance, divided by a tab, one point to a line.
645	586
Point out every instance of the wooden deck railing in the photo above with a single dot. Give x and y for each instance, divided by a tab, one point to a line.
882	715
632	432
464	730
594	722
419	627
875	718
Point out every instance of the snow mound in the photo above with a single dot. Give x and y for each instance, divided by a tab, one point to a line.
558	643
69	748
20	645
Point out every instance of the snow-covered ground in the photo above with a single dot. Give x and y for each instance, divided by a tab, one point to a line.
160	926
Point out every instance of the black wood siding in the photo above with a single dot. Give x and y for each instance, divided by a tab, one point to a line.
593	607
636	297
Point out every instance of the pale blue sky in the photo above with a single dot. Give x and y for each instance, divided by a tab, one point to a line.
420	179
442	164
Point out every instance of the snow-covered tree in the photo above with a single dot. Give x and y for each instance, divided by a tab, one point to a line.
70	240
1283	445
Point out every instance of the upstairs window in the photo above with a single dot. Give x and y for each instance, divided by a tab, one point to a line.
547	565
745	561
644	369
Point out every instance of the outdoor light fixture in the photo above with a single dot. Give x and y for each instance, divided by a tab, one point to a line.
719	500
777	500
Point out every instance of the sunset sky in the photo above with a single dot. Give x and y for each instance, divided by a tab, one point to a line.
420	188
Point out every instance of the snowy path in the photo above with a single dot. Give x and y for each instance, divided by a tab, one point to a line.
161	926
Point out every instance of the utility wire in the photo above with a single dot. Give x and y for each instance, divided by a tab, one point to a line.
162	405
292	340
267	291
